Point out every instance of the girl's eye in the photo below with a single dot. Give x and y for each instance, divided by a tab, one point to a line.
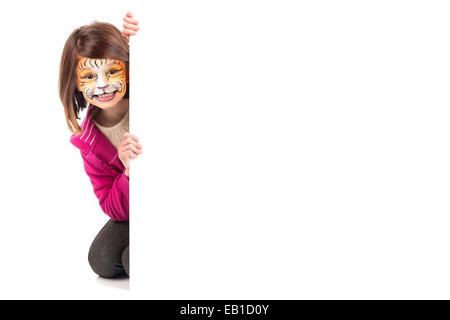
113	71
89	76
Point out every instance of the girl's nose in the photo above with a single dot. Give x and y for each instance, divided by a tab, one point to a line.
101	83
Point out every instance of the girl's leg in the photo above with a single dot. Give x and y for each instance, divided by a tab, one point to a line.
105	254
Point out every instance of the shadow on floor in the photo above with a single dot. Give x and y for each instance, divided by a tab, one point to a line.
119	283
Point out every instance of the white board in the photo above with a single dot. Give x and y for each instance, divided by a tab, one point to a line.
291	150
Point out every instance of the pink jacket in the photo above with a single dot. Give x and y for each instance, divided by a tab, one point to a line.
104	168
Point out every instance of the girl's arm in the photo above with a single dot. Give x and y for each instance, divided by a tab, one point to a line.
112	192
130	26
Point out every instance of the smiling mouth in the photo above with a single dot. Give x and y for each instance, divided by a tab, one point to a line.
106	96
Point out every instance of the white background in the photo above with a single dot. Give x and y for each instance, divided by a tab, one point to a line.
292	150
49	212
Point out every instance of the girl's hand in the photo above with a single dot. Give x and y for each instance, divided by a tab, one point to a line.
130	26
127	149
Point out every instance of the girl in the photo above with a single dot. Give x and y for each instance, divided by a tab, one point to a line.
94	75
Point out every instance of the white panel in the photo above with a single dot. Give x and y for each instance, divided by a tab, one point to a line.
291	149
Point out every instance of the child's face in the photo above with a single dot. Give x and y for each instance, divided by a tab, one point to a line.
103	82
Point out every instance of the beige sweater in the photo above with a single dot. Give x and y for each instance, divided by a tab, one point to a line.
116	132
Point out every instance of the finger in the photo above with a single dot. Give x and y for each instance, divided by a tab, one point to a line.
129	14
132	148
132	136
127	136
131	154
130	26
128	32
127	154
123	142
128	140
126	37
131	20
137	145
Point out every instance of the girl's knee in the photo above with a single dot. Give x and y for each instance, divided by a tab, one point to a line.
104	263
107	250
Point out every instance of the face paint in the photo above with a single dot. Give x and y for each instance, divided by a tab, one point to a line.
102	81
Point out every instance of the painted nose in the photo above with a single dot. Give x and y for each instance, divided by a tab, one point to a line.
101	84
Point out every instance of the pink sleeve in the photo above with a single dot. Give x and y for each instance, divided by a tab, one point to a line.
112	192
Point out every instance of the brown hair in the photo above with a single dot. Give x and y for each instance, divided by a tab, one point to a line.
98	40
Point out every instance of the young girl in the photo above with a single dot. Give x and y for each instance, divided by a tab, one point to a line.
94	75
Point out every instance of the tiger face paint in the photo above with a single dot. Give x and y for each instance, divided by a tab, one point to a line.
103	82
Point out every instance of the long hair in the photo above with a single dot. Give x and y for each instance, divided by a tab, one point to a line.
98	40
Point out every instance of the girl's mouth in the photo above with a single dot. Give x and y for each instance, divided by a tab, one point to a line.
106	96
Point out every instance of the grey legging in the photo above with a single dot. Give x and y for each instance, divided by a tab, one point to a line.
109	252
